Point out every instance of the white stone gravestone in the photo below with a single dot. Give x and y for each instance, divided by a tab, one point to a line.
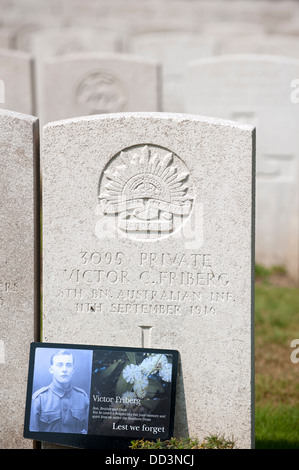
72	40
19	273
173	49
59	42
85	84
257	89
16	72
274	44
148	242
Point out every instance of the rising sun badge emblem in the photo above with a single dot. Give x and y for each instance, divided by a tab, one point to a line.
147	187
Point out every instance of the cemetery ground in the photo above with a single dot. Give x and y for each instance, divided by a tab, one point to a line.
276	376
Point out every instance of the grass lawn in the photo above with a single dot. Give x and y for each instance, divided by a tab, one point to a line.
277	427
277	377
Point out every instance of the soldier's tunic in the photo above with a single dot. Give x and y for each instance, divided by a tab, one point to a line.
54	409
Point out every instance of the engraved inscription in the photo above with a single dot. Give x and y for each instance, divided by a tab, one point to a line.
147	188
101	92
7	289
145	336
161	284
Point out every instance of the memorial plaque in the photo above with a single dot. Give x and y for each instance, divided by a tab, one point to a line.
148	242
19	267
99	397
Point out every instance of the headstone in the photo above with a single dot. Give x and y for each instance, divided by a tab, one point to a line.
16	72
19	275
246	11
17	11
26	27
6	37
256	89
62	41
273	44
90	11
86	84
23	34
72	40
147	242
232	28
173	49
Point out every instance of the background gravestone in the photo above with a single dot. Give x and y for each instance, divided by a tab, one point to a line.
173	49
256	89
59	42
6	37
62	41
19	274
85	84
273	44
148	241
16	71
29	25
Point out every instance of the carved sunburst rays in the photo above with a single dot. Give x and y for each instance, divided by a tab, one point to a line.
144	173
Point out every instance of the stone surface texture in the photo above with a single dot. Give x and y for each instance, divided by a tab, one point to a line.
148	241
19	275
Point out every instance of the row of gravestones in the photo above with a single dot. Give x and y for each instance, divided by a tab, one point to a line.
255	89
150	15
148	241
57	77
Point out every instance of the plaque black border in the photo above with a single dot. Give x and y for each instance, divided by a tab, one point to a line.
93	441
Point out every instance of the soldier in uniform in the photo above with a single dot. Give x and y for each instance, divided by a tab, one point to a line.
60	407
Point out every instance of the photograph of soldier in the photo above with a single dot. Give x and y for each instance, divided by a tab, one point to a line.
61	405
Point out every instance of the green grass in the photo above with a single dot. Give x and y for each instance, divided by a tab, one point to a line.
210	442
277	378
277	427
276	313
